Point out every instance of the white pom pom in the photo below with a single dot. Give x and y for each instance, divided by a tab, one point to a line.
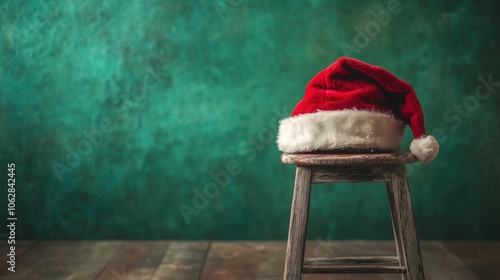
425	148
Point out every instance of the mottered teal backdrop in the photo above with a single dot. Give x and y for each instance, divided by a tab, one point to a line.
157	119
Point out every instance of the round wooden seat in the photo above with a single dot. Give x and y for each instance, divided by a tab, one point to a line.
348	159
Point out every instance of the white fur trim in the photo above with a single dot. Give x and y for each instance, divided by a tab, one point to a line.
329	130
425	148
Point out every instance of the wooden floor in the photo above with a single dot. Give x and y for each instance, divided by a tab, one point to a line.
117	260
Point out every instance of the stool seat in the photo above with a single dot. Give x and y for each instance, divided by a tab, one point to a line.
348	159
326	168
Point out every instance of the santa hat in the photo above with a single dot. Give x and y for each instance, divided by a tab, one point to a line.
354	105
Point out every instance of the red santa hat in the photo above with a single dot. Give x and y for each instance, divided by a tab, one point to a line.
354	105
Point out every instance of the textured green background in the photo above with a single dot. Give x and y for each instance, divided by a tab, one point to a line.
225	72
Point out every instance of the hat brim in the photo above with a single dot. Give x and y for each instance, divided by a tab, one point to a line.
345	129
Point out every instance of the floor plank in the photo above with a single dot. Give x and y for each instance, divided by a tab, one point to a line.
85	261
245	260
183	261
440	263
261	260
21	247
134	261
483	258
43	258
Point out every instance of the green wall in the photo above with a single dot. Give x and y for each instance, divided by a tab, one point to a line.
116	113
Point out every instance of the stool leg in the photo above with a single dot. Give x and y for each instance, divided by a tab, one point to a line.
298	224
406	223
396	225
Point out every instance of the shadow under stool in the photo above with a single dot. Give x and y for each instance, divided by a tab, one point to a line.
350	168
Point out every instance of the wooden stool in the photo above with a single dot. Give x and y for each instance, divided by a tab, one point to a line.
335	168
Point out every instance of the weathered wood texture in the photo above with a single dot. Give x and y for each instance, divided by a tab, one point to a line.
352	260
348	159
396	227
134	261
238	260
322	269
319	247
20	248
408	240
333	168
298	224
349	174
478	257
47	260
86	260
440	263
183	261
245	260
